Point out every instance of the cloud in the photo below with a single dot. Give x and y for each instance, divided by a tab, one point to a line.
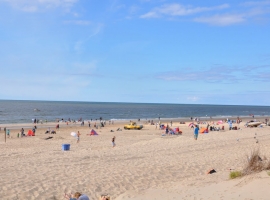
219	74
38	5
221	20
180	10
193	98
256	3
221	15
254	10
95	30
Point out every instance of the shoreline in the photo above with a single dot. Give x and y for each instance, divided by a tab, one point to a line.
125	121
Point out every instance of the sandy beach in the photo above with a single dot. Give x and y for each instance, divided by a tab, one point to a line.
143	165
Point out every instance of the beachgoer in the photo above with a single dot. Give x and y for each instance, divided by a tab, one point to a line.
167	129
211	171
8	133
196	132
76	196
230	125
22	132
113	141
78	137
104	197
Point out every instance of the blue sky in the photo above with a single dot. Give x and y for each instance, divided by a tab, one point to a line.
156	51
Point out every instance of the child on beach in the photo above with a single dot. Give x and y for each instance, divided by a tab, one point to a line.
78	137
196	132
113	141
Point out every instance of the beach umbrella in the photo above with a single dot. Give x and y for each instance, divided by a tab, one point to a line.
191	124
220	122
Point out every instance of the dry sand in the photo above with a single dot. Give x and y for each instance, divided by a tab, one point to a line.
143	165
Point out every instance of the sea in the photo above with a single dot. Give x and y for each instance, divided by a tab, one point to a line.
23	111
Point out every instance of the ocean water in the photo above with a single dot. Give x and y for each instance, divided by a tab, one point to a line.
13	111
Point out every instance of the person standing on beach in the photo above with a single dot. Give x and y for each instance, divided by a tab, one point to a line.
22	132
196	132
113	141
78	137
167	129
8	134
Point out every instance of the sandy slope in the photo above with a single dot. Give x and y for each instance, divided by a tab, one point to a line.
143	165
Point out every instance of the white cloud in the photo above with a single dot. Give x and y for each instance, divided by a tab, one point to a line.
37	5
150	15
257	3
255	11
193	98
220	74
95	30
221	20
180	10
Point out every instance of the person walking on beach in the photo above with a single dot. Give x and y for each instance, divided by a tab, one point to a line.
8	133
196	132
167	129
22	132
113	141
78	137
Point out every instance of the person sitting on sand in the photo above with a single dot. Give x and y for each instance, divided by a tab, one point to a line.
104	197
211	171
76	196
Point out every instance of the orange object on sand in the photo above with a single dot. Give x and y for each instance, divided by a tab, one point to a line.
203	130
30	133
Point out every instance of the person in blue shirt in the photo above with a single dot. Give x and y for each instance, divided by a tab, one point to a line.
230	124
196	132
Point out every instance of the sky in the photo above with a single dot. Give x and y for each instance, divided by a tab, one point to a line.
144	51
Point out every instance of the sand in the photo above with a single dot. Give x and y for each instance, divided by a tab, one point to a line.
143	165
